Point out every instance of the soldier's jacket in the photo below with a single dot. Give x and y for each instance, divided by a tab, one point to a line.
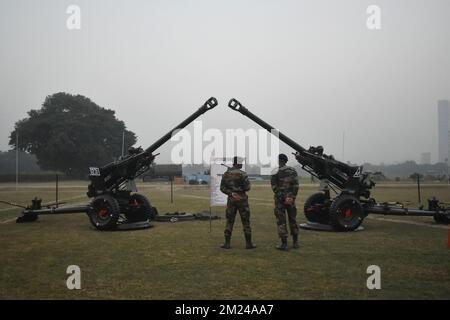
235	180
285	182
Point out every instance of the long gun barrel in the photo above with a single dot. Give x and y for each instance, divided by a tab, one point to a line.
237	106
112	176
314	161
208	105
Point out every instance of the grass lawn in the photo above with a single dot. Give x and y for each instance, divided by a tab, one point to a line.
183	260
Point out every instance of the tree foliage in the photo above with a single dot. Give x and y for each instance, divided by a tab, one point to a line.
70	133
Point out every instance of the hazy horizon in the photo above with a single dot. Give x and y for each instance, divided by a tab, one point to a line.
310	68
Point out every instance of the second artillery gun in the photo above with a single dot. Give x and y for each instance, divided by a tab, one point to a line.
115	203
352	203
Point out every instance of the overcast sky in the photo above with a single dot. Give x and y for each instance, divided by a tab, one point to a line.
310	68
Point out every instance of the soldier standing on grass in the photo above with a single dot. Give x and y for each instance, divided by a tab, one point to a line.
235	184
285	188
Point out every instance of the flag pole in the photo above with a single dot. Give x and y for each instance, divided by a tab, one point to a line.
210	219
123	142
17	160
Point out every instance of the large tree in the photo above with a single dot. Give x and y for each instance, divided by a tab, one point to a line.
70	133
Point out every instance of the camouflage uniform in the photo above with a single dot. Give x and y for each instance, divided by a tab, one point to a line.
236	181
285	185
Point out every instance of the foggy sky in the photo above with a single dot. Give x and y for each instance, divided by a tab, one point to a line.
310	68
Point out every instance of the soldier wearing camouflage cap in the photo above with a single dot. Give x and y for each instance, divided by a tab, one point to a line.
235	184
285	188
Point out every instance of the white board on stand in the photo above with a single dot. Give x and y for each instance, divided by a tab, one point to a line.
218	168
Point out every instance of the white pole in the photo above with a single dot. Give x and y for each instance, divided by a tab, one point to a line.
17	160
343	146
448	172
123	142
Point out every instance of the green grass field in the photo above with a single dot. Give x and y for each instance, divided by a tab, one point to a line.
183	260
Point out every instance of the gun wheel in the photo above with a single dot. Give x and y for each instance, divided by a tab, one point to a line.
346	213
104	213
315	209
139	209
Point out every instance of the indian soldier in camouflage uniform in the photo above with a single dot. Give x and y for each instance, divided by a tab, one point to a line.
285	188
235	184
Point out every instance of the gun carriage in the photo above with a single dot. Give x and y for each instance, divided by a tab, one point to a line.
115	201
353	202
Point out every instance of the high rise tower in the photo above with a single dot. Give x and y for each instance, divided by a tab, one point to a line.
443	129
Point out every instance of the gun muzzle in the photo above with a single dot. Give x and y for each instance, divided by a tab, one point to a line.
210	104
235	105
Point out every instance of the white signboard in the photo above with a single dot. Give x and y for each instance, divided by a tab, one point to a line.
218	168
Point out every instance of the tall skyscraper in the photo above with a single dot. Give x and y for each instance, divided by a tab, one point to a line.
448	159
443	129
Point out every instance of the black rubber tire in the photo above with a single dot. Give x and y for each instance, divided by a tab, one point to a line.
314	215
143	212
441	219
339	211
104	213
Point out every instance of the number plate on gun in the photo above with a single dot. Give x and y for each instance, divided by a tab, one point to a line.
94	172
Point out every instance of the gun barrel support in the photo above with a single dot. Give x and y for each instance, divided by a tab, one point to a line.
59	210
392	211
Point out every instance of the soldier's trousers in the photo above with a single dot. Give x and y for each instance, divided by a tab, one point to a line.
280	214
233	206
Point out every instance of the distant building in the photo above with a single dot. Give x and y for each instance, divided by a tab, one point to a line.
425	158
266	170
443	129
447	160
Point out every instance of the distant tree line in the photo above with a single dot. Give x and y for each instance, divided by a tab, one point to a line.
28	164
437	171
380	172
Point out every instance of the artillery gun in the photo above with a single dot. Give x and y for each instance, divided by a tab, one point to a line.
115	203
352	203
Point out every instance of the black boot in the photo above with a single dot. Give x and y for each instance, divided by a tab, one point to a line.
249	243
226	245
295	241
283	246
